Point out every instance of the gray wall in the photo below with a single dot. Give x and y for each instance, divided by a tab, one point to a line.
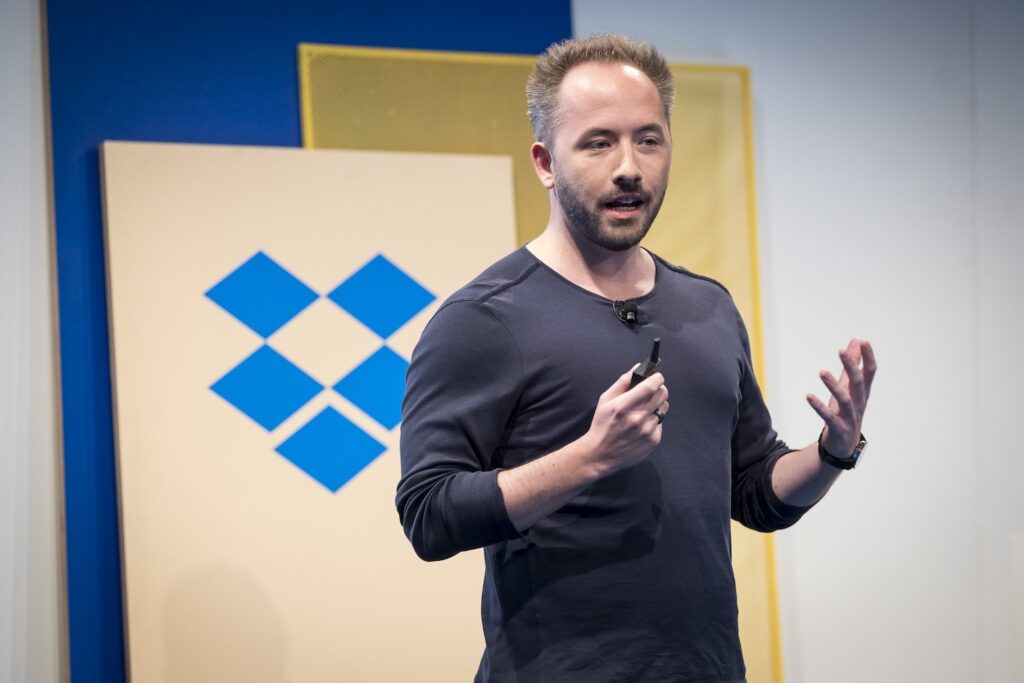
30	544
889	166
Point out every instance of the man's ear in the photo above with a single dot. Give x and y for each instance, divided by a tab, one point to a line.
541	158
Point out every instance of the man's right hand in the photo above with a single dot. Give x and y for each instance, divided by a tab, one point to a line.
625	428
624	431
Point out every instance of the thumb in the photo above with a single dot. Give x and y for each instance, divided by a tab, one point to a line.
621	384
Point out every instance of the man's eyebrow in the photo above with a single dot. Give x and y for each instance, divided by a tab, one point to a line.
598	132
651	128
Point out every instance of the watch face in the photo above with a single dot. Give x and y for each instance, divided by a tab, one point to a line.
858	452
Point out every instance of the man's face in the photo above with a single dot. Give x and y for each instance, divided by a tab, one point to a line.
610	154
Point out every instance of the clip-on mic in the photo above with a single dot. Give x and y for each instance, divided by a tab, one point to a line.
626	311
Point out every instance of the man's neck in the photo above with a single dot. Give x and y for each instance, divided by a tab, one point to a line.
616	275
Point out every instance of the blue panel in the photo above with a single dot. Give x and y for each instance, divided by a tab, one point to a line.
381	296
331	449
377	386
267	387
187	71
262	295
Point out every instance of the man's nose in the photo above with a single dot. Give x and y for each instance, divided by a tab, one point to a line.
627	174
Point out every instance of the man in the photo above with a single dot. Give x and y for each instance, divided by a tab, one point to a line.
603	514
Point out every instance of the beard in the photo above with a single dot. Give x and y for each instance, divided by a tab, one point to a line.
614	234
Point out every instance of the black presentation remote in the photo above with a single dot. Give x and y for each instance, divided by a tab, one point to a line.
649	366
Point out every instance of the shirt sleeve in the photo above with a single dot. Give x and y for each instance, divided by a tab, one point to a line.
463	383
756	447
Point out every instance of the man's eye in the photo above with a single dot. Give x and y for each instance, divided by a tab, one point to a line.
650	142
598	144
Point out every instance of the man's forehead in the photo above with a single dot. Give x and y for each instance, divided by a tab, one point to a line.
596	86
603	78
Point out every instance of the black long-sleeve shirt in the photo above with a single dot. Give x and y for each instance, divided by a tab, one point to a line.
632	579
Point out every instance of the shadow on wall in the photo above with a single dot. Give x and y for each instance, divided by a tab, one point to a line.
219	625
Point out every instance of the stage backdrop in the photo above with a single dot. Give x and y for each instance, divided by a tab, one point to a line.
264	303
360	98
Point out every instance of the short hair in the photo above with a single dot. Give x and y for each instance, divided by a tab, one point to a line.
552	66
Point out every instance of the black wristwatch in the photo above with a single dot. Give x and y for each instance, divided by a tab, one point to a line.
841	463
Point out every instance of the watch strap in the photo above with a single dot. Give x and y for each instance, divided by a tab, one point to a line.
841	463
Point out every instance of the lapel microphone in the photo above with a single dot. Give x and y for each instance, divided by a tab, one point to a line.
627	312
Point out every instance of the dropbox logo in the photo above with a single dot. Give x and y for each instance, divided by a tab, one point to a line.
269	388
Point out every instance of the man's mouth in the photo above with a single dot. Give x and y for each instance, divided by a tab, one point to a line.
627	203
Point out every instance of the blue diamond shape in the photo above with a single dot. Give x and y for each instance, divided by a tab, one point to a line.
262	294
381	296
331	449
377	386
267	387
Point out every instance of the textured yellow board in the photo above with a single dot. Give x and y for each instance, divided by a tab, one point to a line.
359	98
240	565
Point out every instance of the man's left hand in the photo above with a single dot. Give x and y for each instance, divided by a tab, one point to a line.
845	410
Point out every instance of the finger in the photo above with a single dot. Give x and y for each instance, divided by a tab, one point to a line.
621	384
833	405
839	393
844	379
628	403
820	408
851	368
663	409
853	350
658	415
660	396
643	393
870	366
650	384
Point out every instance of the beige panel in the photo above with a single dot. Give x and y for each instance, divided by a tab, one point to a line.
238	566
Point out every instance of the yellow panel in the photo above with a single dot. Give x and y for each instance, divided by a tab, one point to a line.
708	223
357	98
